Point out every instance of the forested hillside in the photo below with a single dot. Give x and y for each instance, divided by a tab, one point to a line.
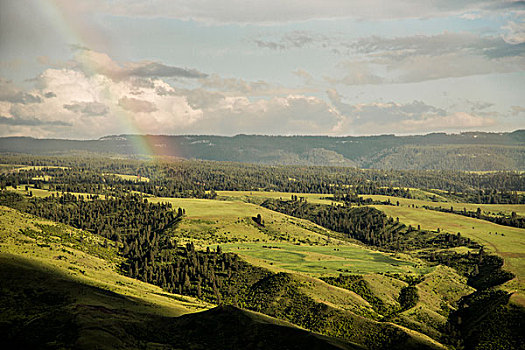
474	151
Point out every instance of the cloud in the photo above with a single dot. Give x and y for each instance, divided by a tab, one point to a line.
215	81
357	73
92	62
507	5
30	122
154	69
293	114
125	103
471	16
234	86
88	108
384	60
218	106
422	68
392	117
291	40
419	58
517	110
269	44
458	120
10	93
137	106
304	75
515	33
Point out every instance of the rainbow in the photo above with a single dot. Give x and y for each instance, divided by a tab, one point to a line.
79	35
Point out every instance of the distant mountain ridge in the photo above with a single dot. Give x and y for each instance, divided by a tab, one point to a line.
470	151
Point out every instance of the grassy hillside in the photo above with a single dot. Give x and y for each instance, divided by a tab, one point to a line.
80	271
43	307
81	256
211	221
488	209
507	242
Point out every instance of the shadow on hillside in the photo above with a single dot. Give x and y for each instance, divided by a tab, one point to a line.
47	309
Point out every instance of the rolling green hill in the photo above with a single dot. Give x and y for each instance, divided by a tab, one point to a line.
44	308
80	240
64	290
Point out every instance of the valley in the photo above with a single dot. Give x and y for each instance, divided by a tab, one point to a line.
364	270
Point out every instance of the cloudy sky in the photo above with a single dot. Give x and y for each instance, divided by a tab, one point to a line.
89	68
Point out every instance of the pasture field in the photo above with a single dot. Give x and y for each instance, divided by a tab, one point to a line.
422	198
316	198
131	177
210	221
19	167
488	209
40	167
426	195
42	193
324	260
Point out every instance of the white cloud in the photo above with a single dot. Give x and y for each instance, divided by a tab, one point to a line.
402	118
293	114
87	108
137	106
76	103
514	33
458	120
381	60
10	93
92	103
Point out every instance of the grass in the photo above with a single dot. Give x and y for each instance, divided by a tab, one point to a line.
283	244
316	198
489	209
42	193
509	242
438	293
422	198
55	254
130	177
324	260
40	167
224	221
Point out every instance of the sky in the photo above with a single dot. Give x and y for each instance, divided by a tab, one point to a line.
84	69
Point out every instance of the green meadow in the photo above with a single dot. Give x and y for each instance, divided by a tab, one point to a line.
316	198
131	177
226	221
489	209
324	260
